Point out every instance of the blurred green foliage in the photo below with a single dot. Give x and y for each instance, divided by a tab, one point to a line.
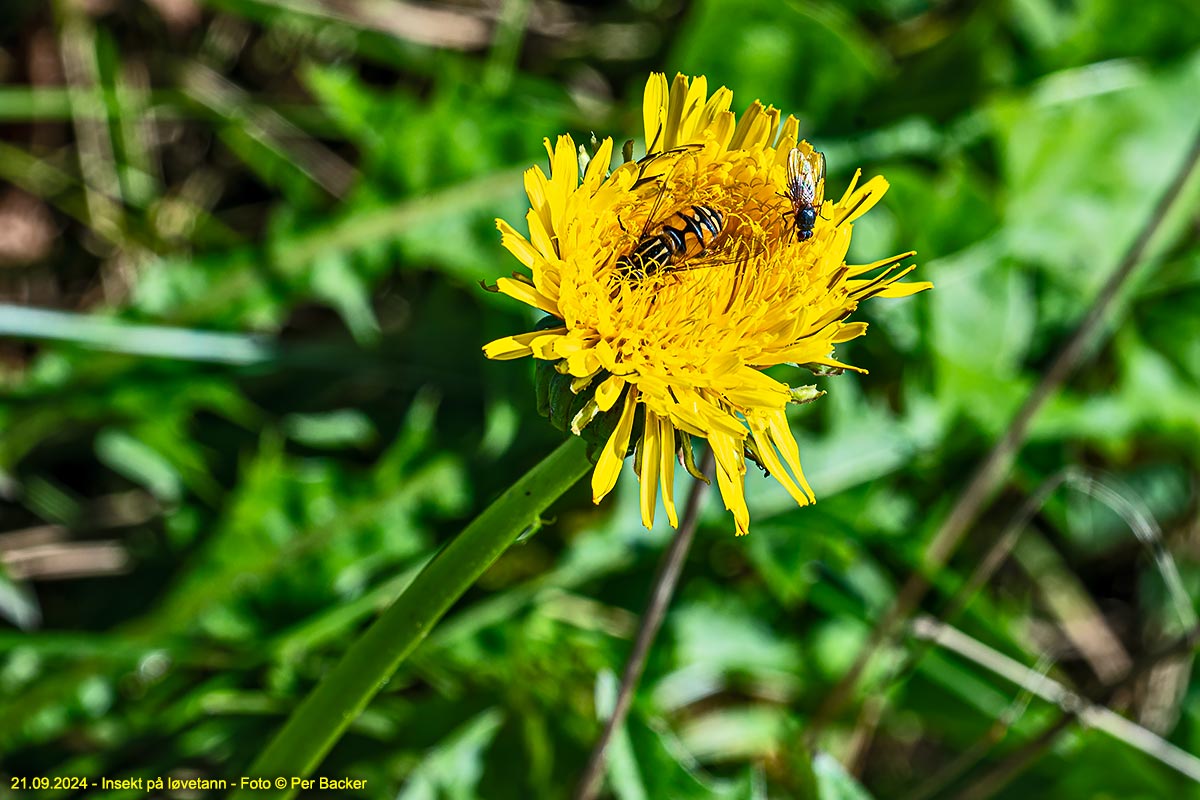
194	527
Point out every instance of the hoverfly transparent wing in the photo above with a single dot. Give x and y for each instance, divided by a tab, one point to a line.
721	253
631	263
663	179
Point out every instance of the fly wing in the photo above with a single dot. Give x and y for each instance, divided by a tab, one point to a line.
795	172
819	179
806	188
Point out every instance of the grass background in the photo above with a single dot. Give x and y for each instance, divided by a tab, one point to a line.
243	397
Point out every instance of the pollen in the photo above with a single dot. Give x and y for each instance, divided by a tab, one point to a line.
671	283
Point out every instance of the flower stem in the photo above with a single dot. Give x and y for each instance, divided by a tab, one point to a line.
320	720
656	609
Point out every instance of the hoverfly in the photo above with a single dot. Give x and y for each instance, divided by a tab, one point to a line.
805	190
670	247
667	244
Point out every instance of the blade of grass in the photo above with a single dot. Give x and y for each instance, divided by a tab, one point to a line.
270	129
97	162
317	724
155	341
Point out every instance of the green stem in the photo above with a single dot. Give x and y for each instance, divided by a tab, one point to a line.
316	725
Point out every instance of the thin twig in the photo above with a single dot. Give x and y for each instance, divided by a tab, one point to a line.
1000	775
1145	529
990	474
987	567
992	561
661	592
995	557
1039	685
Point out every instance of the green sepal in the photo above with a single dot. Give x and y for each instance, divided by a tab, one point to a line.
561	399
578	402
822	370
585	416
585	158
543	373
804	394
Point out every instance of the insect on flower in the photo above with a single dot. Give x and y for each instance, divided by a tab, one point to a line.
805	190
661	245
669	248
643	349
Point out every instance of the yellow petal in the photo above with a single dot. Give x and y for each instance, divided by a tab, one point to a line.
675	101
597	169
845	201
700	417
768	139
745	126
526	294
731	473
862	201
517	244
608	467
848	331
787	138
781	435
830	361
863	289
537	186
608	391
693	106
716	107
904	289
654	111
583	363
666	467
564	180
544	346
648	468
766	451
510	347
722	129
862	269
540	236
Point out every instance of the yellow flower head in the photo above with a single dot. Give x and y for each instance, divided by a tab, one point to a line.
653	350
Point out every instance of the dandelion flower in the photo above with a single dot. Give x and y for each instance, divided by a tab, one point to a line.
641	361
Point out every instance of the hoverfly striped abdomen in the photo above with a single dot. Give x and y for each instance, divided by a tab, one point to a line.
672	245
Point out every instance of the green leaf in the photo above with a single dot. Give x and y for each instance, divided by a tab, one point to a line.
140	463
333	429
453	768
833	781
